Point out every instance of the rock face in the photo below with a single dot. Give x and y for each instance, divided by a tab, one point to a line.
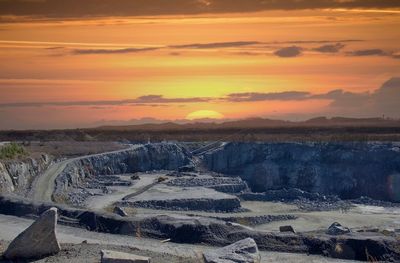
191	198
16	176
108	256
349	170
337	229
221	184
36	241
162	156
244	251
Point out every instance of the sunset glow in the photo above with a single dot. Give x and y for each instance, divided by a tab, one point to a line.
80	71
202	114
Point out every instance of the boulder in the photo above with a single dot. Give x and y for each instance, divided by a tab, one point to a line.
38	240
135	177
108	256
244	251
120	211
286	229
187	168
337	229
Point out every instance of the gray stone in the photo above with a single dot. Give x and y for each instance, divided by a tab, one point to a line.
244	251
286	229
347	169
337	229
120	211
18	175
38	240
108	256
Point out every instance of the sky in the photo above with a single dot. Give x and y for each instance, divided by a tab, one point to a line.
70	64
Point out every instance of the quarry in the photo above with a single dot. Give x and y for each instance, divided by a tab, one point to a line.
291	201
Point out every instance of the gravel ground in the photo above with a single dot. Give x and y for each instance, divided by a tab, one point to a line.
82	253
11	226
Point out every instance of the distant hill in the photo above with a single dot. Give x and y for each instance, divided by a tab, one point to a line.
253	129
253	123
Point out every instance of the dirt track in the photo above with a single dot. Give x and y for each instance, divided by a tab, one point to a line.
43	188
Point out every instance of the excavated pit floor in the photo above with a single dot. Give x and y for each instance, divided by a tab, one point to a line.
358	217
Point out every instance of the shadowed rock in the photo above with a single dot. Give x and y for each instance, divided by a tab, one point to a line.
120	211
337	229
36	241
244	251
347	169
286	229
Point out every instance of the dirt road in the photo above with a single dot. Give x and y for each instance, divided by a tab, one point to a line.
43	187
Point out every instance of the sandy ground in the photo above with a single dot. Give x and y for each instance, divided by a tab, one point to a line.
162	252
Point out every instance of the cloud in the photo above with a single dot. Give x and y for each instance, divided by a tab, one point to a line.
148	100
97	8
329	48
217	45
373	52
384	100
161	99
111	51
289	52
367	52
254	96
341	98
316	41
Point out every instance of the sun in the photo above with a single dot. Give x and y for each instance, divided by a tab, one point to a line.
204	114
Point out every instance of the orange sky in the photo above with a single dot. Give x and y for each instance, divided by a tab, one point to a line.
61	73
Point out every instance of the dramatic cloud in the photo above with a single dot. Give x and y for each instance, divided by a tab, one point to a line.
111	51
289	52
387	98
217	45
384	100
79	8
342	98
330	48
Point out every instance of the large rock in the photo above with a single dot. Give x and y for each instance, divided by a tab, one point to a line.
36	241
244	251
108	256
286	229
120	211
337	229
